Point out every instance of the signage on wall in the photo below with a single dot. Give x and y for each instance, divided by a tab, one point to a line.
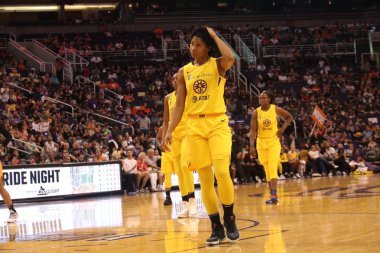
40	182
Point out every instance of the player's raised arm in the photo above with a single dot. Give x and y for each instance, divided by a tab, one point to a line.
227	59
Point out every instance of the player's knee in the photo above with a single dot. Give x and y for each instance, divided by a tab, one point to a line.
222	174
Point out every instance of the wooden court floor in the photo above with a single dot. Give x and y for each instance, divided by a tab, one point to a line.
336	214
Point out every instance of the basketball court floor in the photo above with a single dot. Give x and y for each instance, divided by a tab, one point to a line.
336	214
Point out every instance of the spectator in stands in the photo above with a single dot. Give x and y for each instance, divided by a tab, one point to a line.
293	159
340	161
144	123
155	172
129	169
320	165
252	168
151	49
52	157
98	156
142	171
284	170
58	64
96	60
51	147
4	93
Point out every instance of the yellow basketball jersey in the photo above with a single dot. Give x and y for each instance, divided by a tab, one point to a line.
205	88
267	122
171	101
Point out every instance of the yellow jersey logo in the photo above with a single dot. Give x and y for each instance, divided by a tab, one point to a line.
200	86
266	123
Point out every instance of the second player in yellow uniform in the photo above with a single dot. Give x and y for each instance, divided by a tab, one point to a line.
264	128
179	155
167	167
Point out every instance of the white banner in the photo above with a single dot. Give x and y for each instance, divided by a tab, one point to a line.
40	182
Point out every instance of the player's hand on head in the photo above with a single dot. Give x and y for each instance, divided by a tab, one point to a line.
211	32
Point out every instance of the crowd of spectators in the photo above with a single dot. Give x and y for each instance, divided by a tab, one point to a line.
346	91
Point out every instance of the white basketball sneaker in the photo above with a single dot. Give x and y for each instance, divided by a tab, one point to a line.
185	211
193	213
12	217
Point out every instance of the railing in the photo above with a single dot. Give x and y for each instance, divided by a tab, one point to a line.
27	54
45	48
288	50
242	80
370	42
75	59
20	150
128	54
254	43
67	69
244	52
49	67
42	65
12	36
164	47
18	87
173	45
257	46
361	34
84	80
184	46
116	97
44	98
40	149
248	41
107	118
177	45
253	90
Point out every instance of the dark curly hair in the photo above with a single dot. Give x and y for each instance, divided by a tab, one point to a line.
202	33
270	95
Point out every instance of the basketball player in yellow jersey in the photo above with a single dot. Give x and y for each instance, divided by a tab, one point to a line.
167	167
200	86
179	151
265	129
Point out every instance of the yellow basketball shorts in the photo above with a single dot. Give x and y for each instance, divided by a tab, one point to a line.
268	151
167	163
1	170
209	138
180	147
178	136
185	156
